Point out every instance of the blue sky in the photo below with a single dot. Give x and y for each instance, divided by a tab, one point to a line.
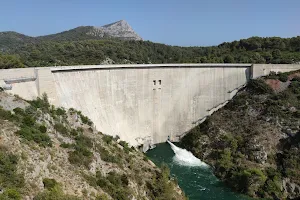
174	22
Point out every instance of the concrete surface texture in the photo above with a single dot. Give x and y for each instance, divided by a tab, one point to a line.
142	103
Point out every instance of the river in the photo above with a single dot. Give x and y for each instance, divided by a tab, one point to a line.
194	176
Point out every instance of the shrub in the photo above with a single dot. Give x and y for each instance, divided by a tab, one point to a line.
10	194
116	138
28	121
296	114
85	119
41	103
83	141
230	141
80	157
259	86
272	188
80	129
102	182
107	156
295	87
83	151
114	178
49	183
55	193
91	179
81	154
8	172
114	185
33	134
272	173
61	128
19	111
225	160
161	187
125	146
60	111
30	110
107	139
102	197
124	180
66	145
43	129
272	75
296	79
248	180
6	115
283	77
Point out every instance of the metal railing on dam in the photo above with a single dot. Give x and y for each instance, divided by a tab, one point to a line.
142	103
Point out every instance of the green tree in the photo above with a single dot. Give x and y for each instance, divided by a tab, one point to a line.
228	59
10	61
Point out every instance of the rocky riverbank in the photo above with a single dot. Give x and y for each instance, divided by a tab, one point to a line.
253	142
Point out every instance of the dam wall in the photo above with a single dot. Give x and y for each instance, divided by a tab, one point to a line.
265	69
20	81
142	104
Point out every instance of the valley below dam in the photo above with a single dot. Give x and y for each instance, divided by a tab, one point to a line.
194	177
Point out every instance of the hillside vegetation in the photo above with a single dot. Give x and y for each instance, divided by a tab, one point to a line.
49	153
253	143
72	48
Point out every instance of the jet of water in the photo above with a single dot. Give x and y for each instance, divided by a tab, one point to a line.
184	157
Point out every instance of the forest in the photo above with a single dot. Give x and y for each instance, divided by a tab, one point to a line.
91	52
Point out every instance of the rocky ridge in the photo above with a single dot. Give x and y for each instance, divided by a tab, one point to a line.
120	29
53	153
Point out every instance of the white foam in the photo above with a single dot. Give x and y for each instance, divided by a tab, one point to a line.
186	158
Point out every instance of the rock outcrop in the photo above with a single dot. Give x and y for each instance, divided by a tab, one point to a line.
120	29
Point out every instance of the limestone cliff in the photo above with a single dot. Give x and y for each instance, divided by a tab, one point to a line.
120	29
53	153
253	143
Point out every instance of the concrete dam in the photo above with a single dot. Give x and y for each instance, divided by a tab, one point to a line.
141	103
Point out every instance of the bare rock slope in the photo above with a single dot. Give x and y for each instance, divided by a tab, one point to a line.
52	153
120	29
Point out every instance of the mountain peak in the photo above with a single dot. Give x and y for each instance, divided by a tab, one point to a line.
120	29
120	22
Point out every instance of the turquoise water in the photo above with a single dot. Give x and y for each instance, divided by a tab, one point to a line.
196	180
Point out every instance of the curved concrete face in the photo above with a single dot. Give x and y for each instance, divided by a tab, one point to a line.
142	103
148	103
